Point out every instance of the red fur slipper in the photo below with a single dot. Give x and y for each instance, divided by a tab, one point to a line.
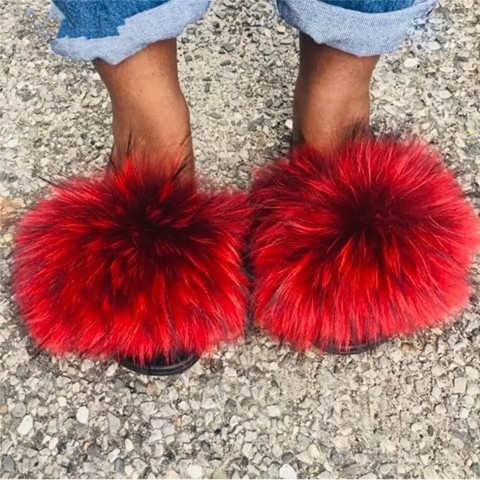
351	249
133	265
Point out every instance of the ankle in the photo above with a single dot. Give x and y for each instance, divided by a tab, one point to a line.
326	119
332	95
161	123
150	114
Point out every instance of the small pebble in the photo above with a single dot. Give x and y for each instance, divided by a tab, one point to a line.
410	63
8	464
82	415
195	471
113	423
287	472
19	410
171	475
26	425
460	385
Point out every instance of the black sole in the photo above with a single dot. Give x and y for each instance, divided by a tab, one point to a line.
352	349
161	367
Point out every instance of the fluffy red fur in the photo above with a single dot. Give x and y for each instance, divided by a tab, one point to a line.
132	263
355	247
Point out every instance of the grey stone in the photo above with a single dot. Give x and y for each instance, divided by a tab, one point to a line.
83	414
119	465
287	457
313	451
195	471
460	385
171	474
219	473
26	425
19	410
148	408
8	464
113	423
273	411
247	450
139	466
228	47
277	451
287	472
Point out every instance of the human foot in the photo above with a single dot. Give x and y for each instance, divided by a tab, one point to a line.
150	114
332	95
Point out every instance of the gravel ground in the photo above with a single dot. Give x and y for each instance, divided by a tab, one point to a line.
410	409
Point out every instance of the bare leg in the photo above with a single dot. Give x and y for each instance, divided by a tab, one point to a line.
150	114
332	94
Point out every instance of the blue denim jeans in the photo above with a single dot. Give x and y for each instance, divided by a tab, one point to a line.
372	6
113	30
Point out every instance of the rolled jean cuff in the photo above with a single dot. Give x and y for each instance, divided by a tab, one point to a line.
359	33
115	38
